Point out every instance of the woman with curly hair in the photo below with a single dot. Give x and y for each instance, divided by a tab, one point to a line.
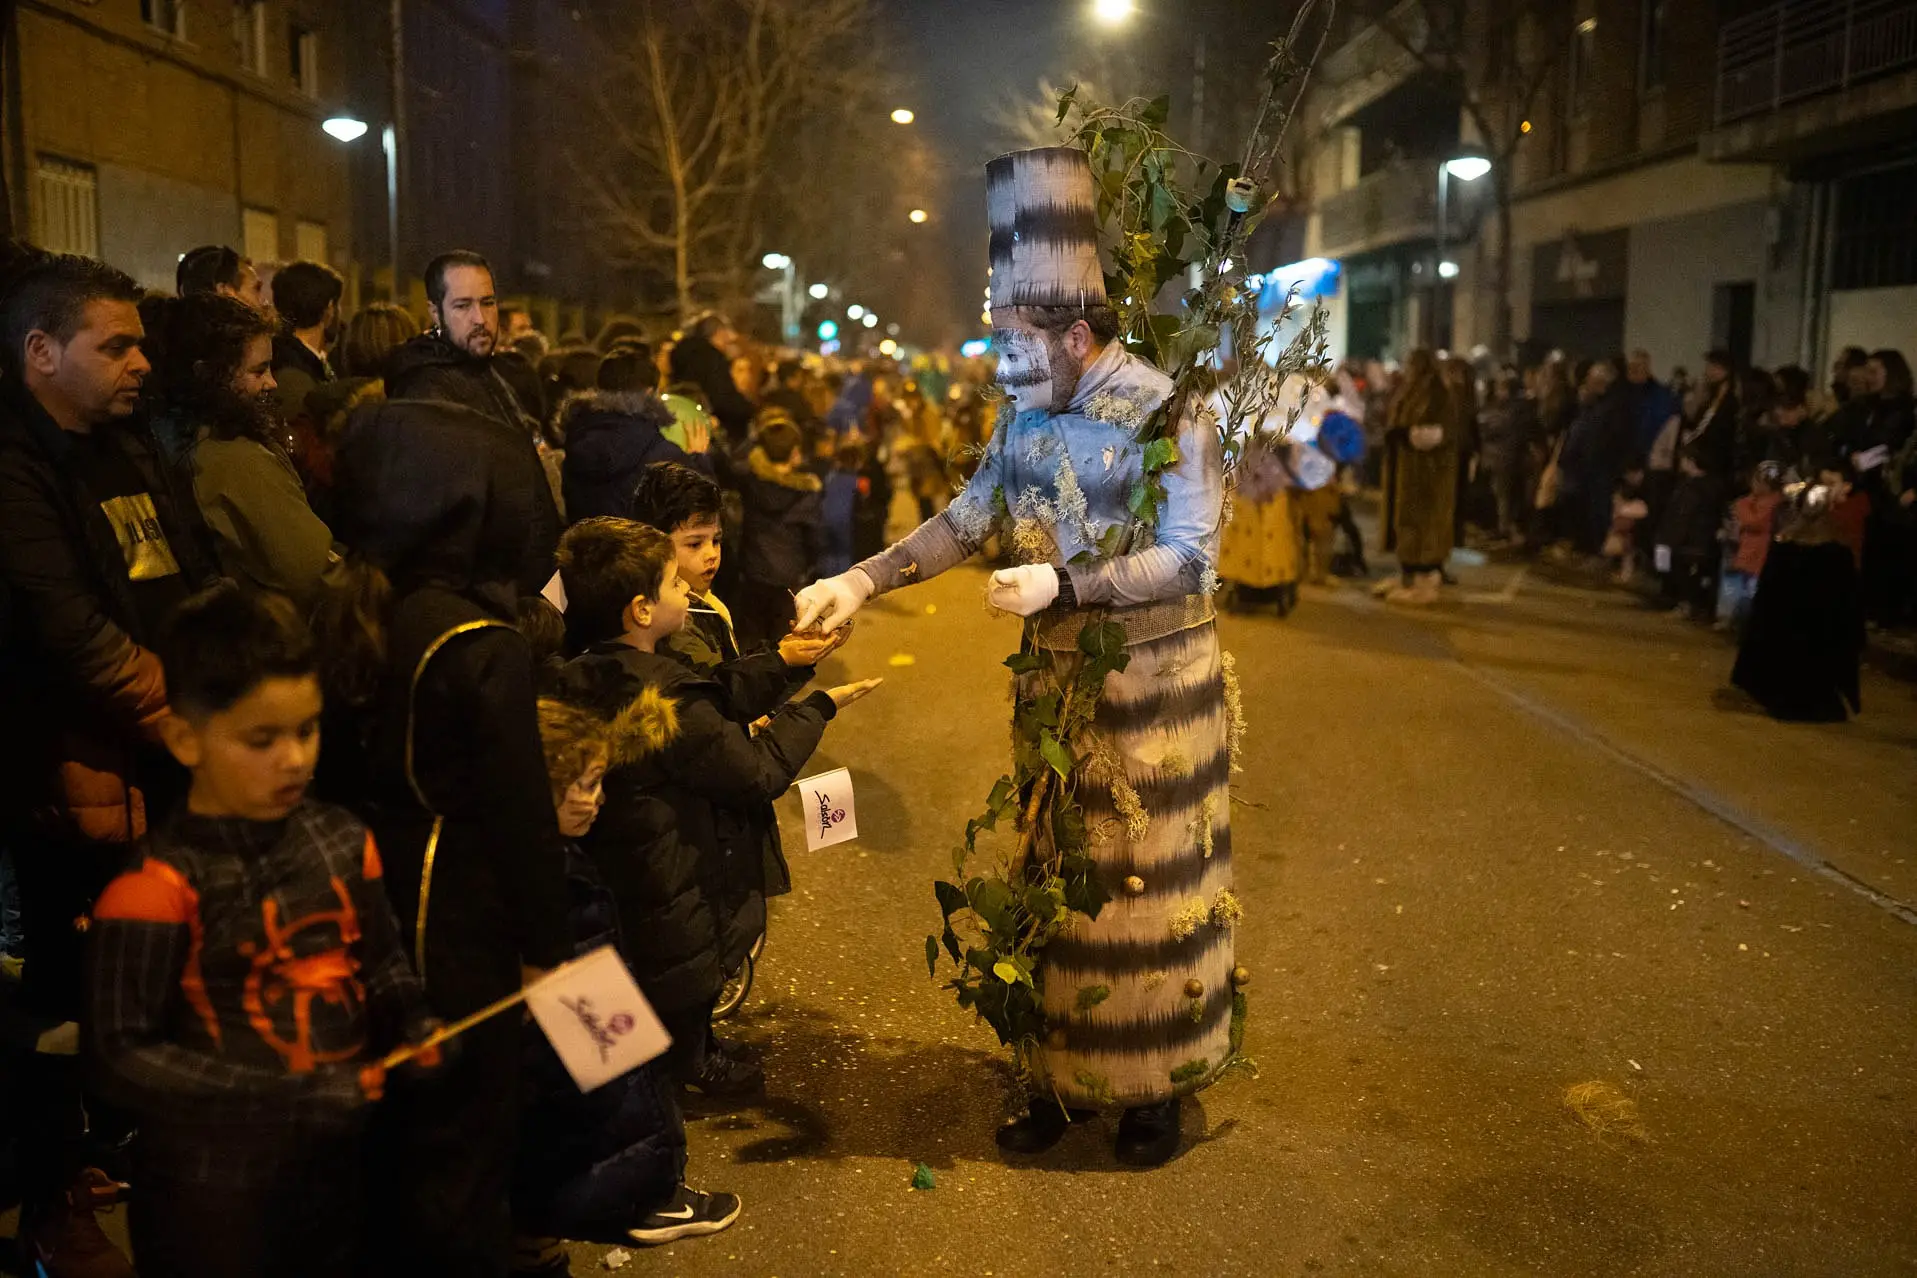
212	384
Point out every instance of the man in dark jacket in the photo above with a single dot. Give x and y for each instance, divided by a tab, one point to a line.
1596	452
307	296
700	358
96	548
461	809
614	432
452	361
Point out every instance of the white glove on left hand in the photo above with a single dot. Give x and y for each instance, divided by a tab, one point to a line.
1024	590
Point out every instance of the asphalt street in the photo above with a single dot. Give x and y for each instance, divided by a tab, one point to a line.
1489	854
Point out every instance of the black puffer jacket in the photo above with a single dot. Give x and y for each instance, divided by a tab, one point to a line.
610	437
677	841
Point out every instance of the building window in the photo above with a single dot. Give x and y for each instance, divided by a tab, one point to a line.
1581	66
1875	241
260	235
1651	50
167	16
67	201
309	241
302	48
249	34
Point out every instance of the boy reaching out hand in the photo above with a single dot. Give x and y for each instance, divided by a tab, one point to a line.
675	841
244	980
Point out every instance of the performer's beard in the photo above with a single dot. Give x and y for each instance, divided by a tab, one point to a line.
1035	369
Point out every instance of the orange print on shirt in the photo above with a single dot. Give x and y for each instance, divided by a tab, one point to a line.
283	986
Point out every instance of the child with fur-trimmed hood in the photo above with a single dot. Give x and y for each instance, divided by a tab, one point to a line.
606	1165
689	885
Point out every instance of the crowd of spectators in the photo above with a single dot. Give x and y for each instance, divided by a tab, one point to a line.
493	567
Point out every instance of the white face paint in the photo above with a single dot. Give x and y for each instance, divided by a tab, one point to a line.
1024	367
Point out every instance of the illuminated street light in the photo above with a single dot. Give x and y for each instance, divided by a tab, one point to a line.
918	215
888	347
1467	168
1113	12
775	261
1448	270
819	291
345	128
870	320
903	116
854	311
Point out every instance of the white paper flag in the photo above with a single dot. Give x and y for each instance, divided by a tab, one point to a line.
596	1019
555	593
831	814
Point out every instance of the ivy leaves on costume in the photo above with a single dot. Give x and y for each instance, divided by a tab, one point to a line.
996	921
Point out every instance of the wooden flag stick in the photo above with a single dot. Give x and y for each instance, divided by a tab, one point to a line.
400	1056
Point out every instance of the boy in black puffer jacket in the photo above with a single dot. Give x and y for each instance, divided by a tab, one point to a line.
690	895
606	1165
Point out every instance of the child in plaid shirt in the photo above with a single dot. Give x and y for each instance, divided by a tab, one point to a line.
245	978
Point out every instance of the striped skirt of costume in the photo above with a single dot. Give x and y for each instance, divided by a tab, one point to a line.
1138	1002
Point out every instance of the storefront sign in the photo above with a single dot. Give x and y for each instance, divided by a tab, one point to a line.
1580	267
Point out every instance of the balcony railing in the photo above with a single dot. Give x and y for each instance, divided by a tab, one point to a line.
1395	204
1801	48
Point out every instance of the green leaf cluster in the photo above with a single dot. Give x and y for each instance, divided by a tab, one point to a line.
997	919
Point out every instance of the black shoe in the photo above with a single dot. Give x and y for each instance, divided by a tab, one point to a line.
725	1076
690	1214
1148	1135
1038	1129
737	1050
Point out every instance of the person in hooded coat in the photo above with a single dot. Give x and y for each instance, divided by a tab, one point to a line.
460	806
615	431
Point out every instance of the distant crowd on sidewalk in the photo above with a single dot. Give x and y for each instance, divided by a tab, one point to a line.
1680	486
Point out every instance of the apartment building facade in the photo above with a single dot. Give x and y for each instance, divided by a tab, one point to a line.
140	128
1683	180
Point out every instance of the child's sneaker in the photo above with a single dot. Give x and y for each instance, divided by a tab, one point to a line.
724	1076
690	1214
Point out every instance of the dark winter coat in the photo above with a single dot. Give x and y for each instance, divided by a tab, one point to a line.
753	688
590	1163
695	359
83	690
428	492
610	437
297	370
675	840
783	533
515	476
431	368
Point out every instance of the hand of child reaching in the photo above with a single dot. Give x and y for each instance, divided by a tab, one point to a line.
698	437
846	693
810	647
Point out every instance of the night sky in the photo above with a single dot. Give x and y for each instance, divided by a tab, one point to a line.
964	59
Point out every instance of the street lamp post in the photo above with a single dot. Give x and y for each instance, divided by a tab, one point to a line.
1468	166
788	293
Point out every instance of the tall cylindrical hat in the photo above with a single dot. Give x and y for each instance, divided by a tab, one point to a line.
1044	219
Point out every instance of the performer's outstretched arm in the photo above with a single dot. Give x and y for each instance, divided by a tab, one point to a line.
941	542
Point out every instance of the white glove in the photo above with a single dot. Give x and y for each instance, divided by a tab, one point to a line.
830	603
1024	590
